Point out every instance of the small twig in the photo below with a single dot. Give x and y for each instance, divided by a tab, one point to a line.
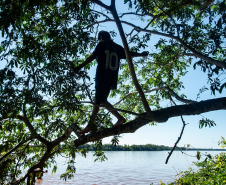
115	109
159	88
20	159
87	91
132	13
100	13
184	152
179	138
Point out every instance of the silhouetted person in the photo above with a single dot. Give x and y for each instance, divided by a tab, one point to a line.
108	55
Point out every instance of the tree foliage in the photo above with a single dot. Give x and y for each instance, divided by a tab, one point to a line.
42	100
209	171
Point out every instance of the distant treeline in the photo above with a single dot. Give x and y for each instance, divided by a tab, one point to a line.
147	147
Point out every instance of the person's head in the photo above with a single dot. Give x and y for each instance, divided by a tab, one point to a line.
103	35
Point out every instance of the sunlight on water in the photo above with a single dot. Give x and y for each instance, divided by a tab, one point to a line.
123	167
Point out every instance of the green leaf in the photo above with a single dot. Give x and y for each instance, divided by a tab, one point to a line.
206	122
222	87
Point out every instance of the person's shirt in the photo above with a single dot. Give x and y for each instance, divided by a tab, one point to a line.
108	55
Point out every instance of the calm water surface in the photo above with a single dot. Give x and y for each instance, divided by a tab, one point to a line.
123	167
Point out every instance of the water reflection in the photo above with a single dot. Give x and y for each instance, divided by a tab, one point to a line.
123	167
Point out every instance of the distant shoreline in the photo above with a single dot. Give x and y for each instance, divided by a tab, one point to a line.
204	149
169	150
147	147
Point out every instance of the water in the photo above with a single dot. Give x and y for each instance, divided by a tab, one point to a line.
123	167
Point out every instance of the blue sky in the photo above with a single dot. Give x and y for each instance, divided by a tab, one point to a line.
167	133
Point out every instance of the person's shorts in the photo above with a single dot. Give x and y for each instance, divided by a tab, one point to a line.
102	94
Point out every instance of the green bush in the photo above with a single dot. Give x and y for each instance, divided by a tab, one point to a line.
210	171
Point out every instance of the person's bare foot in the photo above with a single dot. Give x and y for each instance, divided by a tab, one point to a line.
119	122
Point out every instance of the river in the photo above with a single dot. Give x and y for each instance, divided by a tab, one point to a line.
123	167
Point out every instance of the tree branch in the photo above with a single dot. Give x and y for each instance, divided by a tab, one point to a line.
50	146
196	53
67	133
101	4
129	59
179	110
179	138
159	88
15	148
194	108
130	127
131	13
30	127
20	159
101	13
119	110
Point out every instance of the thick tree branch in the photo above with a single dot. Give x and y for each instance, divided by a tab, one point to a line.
194	108
31	170
130	127
179	110
187	54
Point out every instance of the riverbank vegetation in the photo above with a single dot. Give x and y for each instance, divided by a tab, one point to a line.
147	147
211	170
109	147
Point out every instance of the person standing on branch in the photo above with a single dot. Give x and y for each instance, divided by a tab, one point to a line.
108	55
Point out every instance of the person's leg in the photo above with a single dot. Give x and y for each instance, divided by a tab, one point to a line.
91	123
95	108
120	118
101	98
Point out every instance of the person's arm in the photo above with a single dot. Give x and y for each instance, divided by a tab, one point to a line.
87	61
135	54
